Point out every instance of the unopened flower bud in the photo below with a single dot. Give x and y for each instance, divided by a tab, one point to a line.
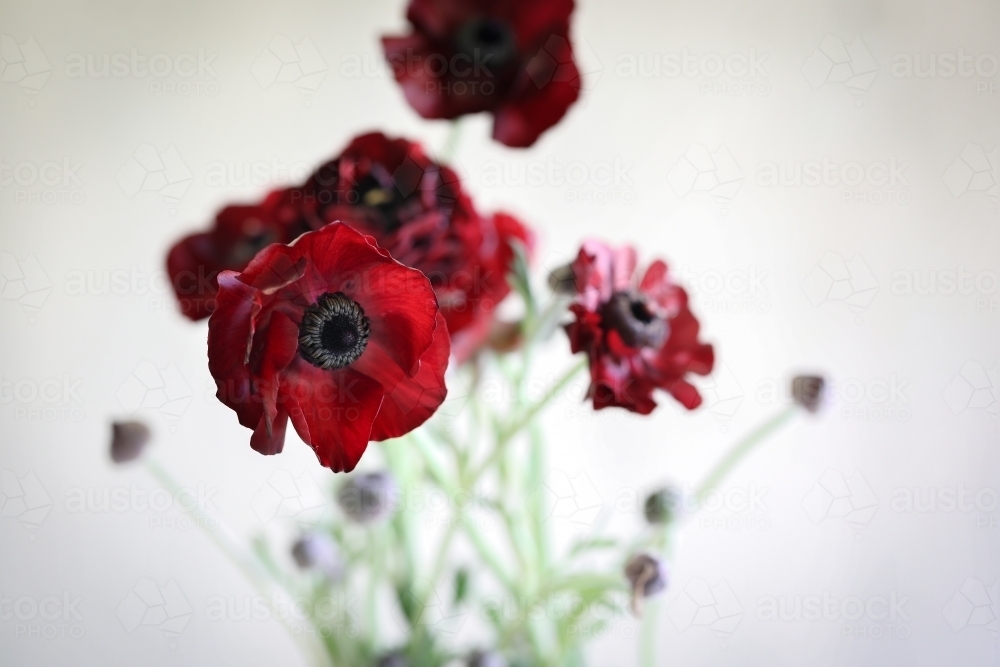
368	497
504	336
392	659
485	659
316	551
128	440
562	280
807	391
662	506
647	576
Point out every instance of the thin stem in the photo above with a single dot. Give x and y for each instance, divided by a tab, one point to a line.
451	142
647	649
741	449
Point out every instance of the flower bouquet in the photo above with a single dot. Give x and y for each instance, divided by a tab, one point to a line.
362	306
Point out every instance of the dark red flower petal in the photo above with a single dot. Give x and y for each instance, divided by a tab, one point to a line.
415	399
230	335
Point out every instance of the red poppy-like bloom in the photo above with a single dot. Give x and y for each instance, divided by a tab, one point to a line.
195	261
639	334
416	209
513	59
334	334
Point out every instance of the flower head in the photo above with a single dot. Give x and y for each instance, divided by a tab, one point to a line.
638	333
240	232
513	59
417	210
335	335
807	391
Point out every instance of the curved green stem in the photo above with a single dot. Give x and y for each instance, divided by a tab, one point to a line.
743	447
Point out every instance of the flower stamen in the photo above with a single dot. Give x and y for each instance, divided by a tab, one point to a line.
334	332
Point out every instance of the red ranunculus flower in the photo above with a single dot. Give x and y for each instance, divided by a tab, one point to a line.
417	210
239	233
639	335
334	334
513	59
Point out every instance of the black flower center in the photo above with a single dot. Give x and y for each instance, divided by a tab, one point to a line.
488	41
630	315
334	332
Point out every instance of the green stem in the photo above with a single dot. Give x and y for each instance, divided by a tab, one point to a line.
741	449
647	649
450	142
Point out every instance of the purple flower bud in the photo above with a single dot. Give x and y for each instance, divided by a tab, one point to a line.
807	391
662	506
648	576
316	551
485	659
392	659
128	440
368	497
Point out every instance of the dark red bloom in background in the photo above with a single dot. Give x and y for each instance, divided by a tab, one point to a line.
195	261
513	59
416	209
333	334
386	188
639	335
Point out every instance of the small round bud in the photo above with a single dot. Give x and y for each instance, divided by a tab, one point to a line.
316	551
807	391
647	576
128	440
368	497
485	659
392	659
562	280
662	506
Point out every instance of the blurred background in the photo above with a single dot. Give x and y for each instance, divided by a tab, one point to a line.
823	176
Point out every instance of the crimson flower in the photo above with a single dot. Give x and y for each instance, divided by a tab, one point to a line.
239	233
639	334
416	209
335	335
513	59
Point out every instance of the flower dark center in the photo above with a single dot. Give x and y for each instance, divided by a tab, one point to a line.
630	315
488	41
334	332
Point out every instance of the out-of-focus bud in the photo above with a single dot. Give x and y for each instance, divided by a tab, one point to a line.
807	391
485	659
662	506
392	659
648	576
562	280
368	497
316	551
128	440
504	336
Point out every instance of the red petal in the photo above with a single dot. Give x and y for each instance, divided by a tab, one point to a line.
230	335
333	411
415	399
193	276
269	438
543	96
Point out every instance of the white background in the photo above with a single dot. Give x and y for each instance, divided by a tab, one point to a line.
915	374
